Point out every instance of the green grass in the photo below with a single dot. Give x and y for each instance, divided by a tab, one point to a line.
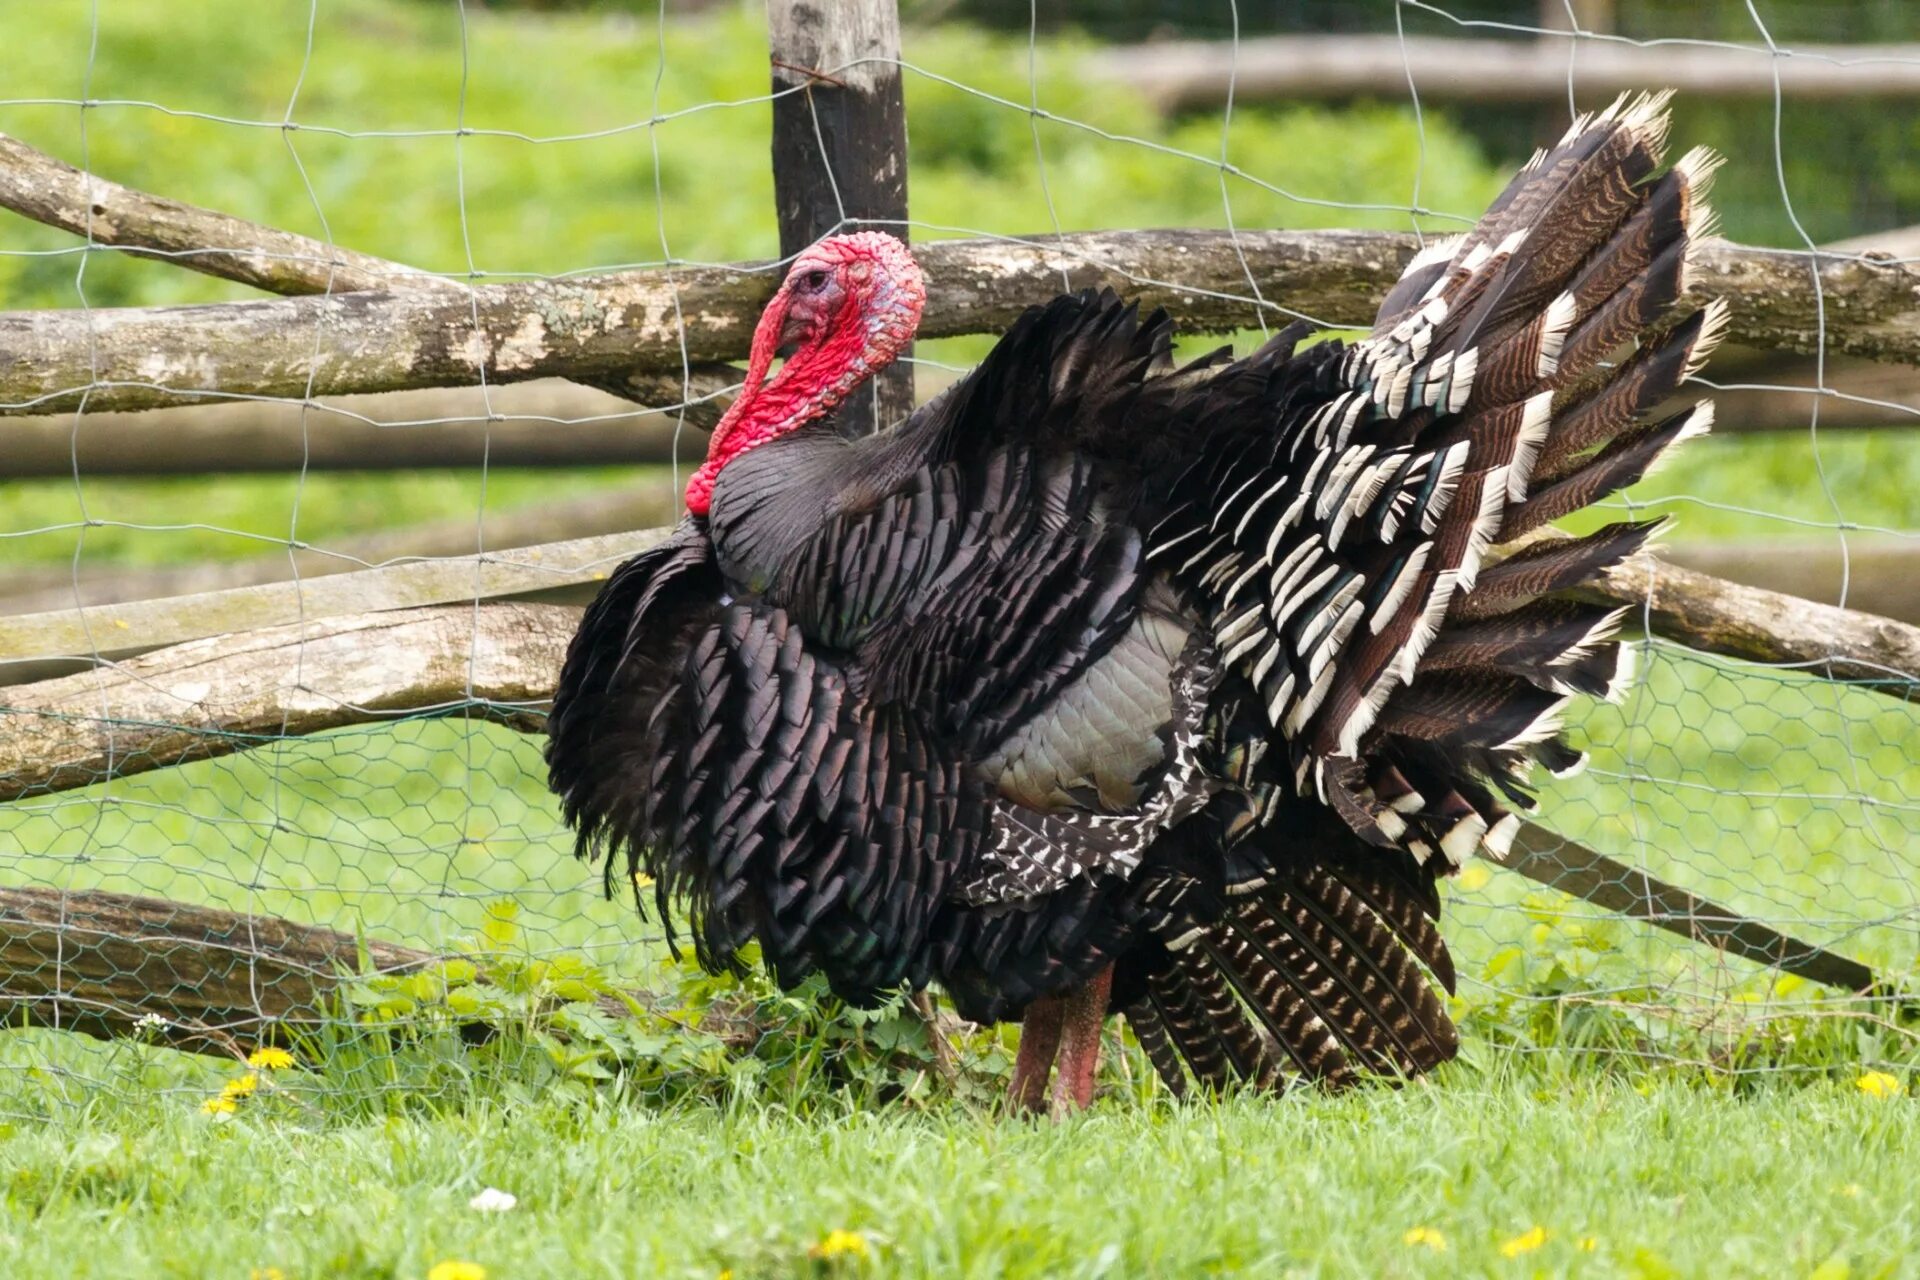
382	66
1660	1179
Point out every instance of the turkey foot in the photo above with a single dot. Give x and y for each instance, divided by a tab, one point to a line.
1061	1031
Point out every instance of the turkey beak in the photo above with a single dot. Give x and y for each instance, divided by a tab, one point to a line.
795	328
768	336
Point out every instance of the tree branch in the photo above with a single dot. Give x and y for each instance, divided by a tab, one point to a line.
1882	574
1716	616
51	191
611	325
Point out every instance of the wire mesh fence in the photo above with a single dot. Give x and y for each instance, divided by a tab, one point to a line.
488	145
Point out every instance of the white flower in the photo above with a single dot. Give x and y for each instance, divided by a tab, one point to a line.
493	1200
150	1022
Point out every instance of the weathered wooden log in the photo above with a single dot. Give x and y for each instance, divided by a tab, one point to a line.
596	326
204	980
1882	575
118	631
549	423
197	978
1186	74
840	147
38	186
213	697
1716	616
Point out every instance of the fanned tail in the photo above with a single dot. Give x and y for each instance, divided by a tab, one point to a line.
1596	245
1343	558
1390	667
1325	974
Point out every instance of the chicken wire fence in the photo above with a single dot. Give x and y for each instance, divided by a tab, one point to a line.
1780	795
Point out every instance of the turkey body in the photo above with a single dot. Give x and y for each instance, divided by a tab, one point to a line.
1198	676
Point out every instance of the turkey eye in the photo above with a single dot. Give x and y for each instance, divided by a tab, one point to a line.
814	281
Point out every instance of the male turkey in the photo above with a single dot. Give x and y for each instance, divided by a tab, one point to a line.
1104	685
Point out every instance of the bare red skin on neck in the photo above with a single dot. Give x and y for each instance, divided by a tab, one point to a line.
806	388
840	355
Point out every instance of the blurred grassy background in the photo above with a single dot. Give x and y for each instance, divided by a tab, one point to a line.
1777	794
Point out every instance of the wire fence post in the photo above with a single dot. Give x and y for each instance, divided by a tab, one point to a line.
840	146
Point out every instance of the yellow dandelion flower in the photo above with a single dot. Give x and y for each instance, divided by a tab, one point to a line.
1428	1236
1878	1084
1526	1242
1587	1244
266	1273
240	1086
1473	876
219	1106
268	1058
841	1244
455	1269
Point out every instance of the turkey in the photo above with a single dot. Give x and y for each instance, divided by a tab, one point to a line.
1105	685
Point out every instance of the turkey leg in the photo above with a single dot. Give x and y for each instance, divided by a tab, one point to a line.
1061	1031
1039	1041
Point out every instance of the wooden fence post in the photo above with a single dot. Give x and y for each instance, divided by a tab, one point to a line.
840	146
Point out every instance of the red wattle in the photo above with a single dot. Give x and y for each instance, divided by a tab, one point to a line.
838	356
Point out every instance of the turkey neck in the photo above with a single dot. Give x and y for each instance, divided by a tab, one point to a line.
771	499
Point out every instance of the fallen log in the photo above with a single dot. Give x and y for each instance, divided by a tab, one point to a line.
111	965
1882	575
1714	615
204	980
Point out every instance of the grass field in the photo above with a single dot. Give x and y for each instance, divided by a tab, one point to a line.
1515	1174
